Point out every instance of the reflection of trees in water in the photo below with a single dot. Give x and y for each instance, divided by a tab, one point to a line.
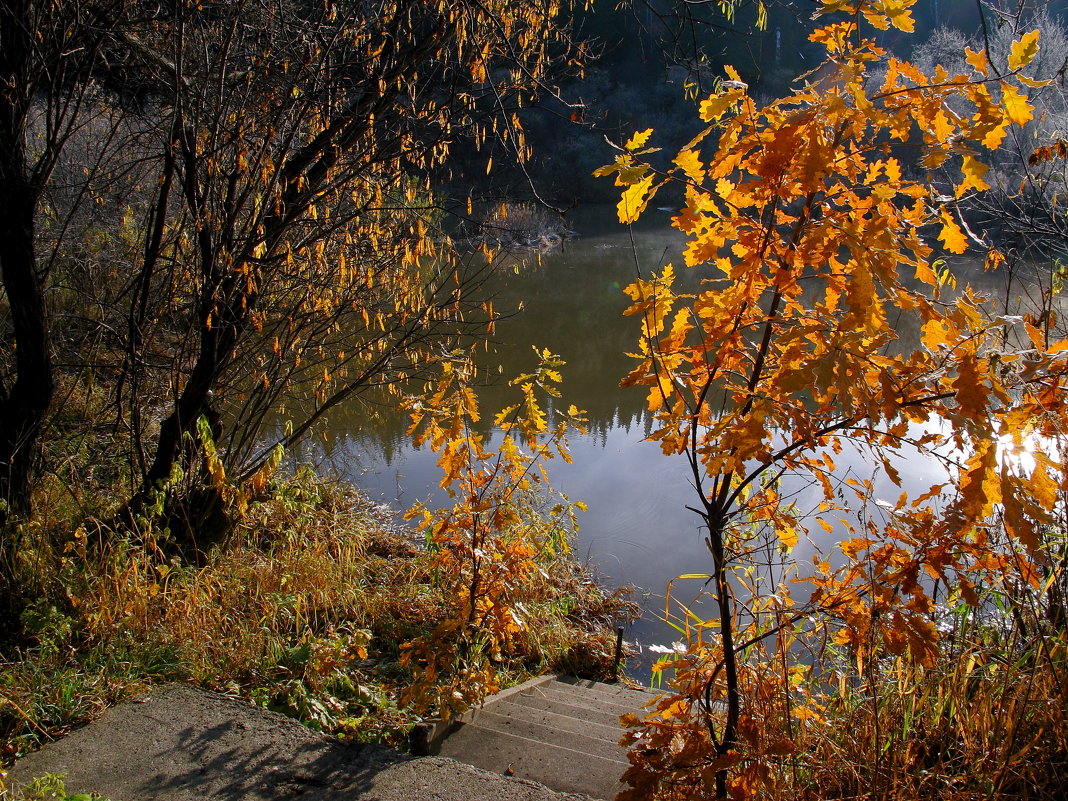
572	303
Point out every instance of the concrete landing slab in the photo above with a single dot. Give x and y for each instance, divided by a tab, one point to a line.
562	768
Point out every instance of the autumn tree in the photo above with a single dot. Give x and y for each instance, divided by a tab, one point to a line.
812	247
292	241
51	57
1021	212
283	156
273	246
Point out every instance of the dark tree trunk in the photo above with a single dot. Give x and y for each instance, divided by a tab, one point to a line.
194	512
26	381
25	402
728	740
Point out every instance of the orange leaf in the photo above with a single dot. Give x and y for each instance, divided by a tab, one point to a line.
951	235
980	486
970	387
781	748
978	60
1043	488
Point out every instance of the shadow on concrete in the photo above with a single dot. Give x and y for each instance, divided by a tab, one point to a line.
183	743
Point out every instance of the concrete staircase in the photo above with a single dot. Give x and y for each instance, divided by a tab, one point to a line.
557	730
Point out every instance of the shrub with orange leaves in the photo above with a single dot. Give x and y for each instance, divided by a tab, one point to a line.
492	544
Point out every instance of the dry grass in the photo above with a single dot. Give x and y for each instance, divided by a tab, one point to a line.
303	610
988	721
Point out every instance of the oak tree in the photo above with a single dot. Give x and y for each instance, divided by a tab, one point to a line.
815	248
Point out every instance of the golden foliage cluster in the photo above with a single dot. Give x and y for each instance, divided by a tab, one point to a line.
493	544
811	241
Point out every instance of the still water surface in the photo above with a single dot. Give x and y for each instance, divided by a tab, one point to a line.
637	529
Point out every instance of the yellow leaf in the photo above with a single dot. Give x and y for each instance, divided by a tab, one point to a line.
1016	106
634	200
884	13
714	107
690	163
973	176
978	60
1032	82
900	15
1023	50
951	235
806	713
638	139
787	536
631	173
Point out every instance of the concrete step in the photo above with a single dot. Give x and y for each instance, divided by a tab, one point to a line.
631	697
590	698
559	768
575	709
568	719
561	731
546	732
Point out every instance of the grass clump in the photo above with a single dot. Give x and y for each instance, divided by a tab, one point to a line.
52	787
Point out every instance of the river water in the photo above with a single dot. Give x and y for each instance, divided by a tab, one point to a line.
637	530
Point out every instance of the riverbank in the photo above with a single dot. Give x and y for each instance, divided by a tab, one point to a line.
304	610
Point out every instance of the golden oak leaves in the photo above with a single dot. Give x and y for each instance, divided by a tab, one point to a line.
690	163
884	14
980	483
973	171
978	60
800	228
490	544
636	142
1016	106
951	235
635	198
